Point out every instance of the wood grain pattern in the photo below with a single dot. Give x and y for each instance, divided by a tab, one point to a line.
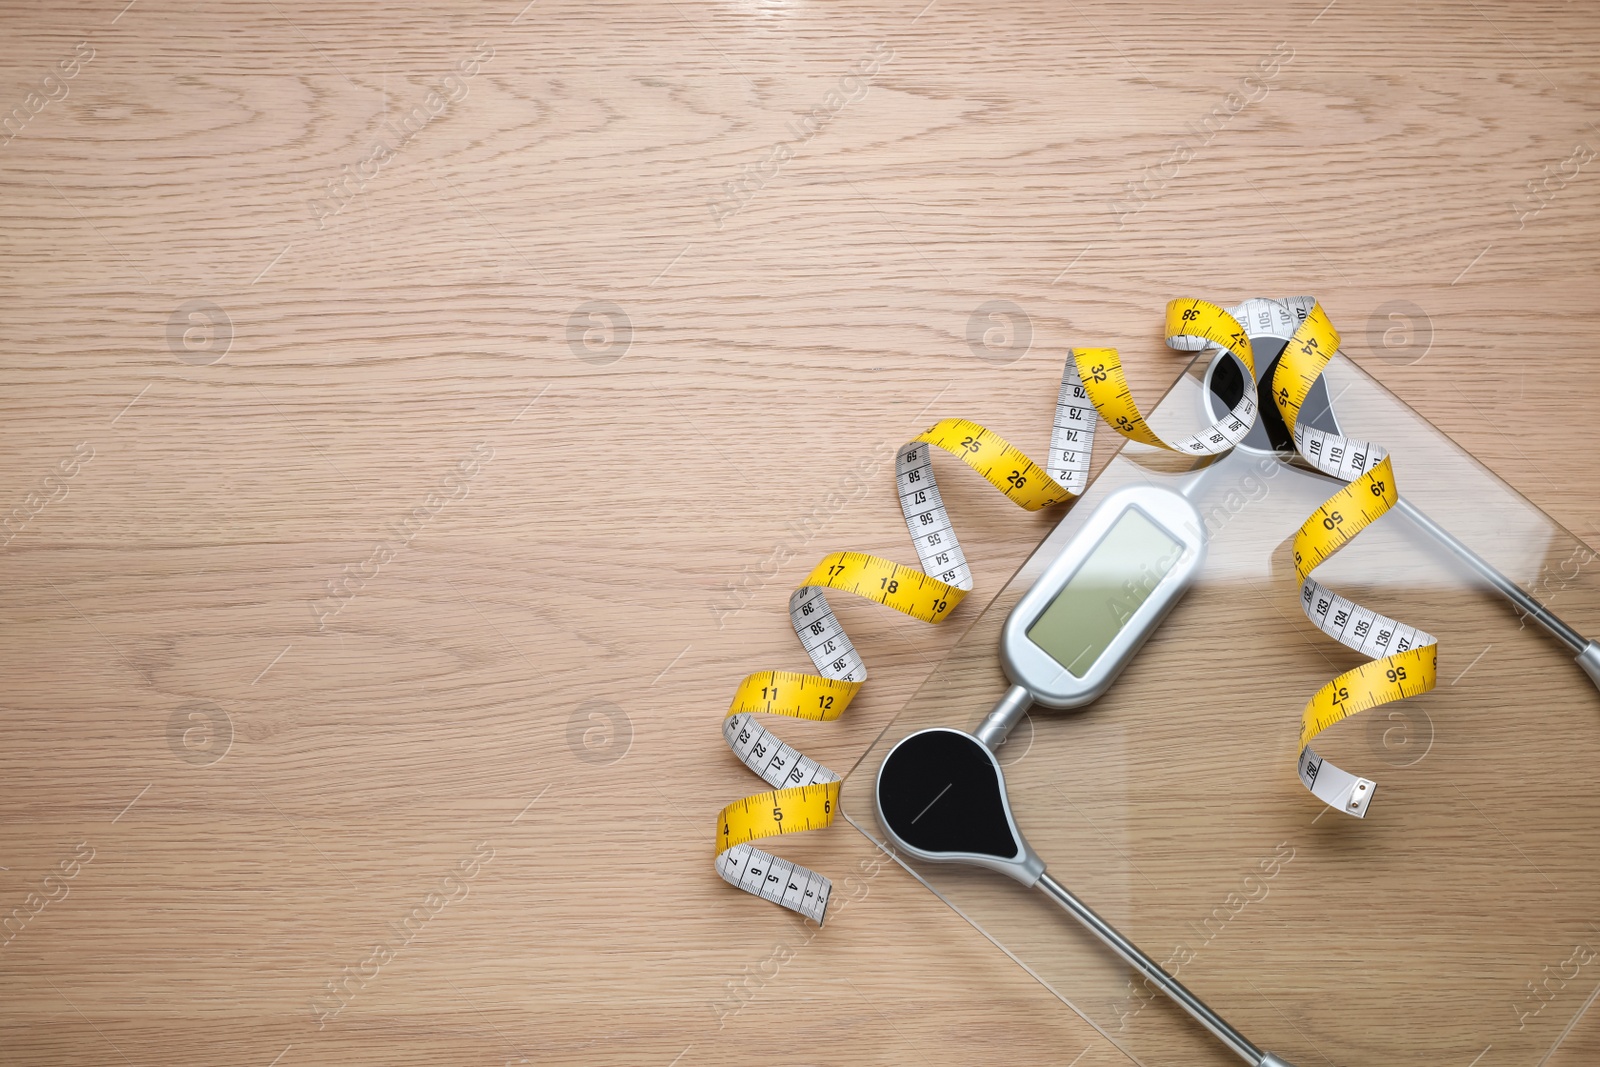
625	478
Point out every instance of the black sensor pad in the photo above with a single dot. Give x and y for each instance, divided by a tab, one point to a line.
940	792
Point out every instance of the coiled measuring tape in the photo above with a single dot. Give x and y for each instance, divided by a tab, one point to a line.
1404	659
806	793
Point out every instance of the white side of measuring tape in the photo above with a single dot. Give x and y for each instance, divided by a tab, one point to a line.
771	877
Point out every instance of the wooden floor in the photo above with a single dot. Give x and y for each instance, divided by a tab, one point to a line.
415	416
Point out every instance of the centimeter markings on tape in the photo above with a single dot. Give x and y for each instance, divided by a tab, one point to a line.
806	793
1403	658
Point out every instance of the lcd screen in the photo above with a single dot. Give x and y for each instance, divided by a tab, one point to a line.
1102	595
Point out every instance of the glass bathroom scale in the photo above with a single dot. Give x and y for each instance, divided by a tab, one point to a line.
1458	923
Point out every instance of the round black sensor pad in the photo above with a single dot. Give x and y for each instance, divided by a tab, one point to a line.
942	797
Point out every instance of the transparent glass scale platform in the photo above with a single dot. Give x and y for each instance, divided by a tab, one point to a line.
1458	924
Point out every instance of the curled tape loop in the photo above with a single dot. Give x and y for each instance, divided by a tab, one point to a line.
1404	659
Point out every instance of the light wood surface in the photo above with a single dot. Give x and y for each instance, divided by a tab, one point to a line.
575	520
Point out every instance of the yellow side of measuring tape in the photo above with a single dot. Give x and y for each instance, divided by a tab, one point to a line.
806	793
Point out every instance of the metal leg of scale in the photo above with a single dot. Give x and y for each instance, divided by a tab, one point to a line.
1240	1045
991	734
941	797
1588	651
